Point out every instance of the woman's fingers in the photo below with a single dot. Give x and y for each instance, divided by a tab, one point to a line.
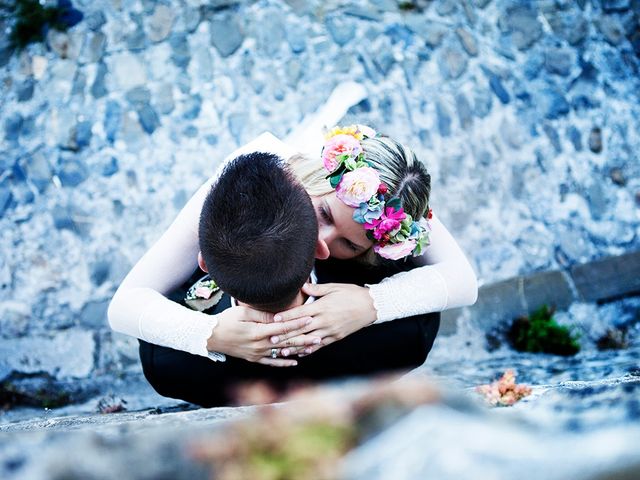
306	310
299	341
317	289
283	328
277	339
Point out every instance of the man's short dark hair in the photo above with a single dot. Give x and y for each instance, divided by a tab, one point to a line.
258	232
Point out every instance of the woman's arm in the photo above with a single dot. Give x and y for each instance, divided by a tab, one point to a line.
139	307
445	280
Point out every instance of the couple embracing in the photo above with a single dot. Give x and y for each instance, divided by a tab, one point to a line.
287	266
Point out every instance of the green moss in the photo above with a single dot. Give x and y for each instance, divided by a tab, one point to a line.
31	20
540	333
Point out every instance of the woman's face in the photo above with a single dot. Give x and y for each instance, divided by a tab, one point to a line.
339	235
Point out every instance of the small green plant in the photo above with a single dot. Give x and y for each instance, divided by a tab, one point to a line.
31	20
540	333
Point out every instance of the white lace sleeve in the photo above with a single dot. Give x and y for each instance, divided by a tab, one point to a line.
139	306
445	281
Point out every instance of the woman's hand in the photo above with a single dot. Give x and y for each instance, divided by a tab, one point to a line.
245	333
339	310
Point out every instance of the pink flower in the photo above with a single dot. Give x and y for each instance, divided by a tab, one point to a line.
203	292
388	222
395	251
358	186
339	145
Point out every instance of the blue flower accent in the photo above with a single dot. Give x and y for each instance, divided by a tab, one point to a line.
366	212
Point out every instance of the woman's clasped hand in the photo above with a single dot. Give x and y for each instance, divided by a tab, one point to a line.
243	332
339	310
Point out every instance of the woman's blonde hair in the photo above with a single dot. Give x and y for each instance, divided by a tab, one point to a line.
406	177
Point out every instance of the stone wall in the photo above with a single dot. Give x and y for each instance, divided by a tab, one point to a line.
526	113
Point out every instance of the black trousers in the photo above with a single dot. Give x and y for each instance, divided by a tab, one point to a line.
398	345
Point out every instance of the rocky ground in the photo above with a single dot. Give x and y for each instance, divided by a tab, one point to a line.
525	112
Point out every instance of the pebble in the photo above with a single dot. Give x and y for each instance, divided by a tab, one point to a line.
271	32
79	83
5	198
202	64
163	99
452	62
616	5
37	169
296	36
38	66
12	126
465	115
160	23
95	20
575	137
111	167
432	33
127	70
522	23
24	90
558	61
552	103
71	172
192	107
443	119
226	34
341	29
99	88
553	136
468	41
138	96
595	140
96	47
617	177
149	119
180	53
611	29
482	102
112	120
495	82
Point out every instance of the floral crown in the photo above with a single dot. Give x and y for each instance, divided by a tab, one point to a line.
394	233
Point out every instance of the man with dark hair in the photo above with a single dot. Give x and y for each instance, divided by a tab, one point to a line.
258	232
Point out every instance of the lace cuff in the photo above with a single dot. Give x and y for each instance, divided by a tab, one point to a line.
417	292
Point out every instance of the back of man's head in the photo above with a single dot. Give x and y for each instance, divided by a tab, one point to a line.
258	231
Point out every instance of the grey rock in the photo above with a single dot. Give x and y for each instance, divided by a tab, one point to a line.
99	272
24	90
611	29
595	140
616	5
617	177
522	23
71	171
399	34
575	137
14	316
533	65
237	121
364	13
574	244
191	18
553	136
79	83
465	114
452	61
342	29
568	25
13	126
180	52
96	46
62	218
94	315
495	82
446	7
226	34
368	65
203	64
293	72
99	89
110	167
296	35
112	120
190	131
558	61
468	41
432	33
160	23
481	3
192	107
81	135
67	354
163	99
148	118
136	40
37	170
138	96
383	59
443	119
5	198
95	20
271	32
598	201
482	102
552	104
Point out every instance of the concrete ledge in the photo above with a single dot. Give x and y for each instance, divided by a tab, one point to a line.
596	281
608	278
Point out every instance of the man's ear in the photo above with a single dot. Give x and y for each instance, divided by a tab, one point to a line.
201	263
